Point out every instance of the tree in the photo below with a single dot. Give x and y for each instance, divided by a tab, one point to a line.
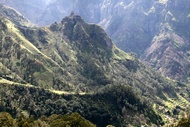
184	122
6	120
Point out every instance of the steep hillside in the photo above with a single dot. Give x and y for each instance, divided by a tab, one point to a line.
134	27
13	15
72	50
73	66
169	49
139	26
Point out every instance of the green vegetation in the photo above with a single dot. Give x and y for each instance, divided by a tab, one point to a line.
114	104
6	120
184	122
73	120
72	67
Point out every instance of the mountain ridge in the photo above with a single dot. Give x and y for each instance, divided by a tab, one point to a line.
133	26
78	58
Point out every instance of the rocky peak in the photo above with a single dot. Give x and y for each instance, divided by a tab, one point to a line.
76	29
74	18
69	22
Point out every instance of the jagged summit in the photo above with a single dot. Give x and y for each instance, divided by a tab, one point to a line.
72	17
76	29
133	25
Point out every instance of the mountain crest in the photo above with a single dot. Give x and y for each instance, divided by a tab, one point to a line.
72	18
13	15
76	29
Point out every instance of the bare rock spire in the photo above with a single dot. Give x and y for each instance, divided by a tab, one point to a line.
72	14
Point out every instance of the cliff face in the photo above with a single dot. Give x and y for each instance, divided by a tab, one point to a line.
169	49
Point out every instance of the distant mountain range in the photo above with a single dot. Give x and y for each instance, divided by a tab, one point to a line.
157	31
73	66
